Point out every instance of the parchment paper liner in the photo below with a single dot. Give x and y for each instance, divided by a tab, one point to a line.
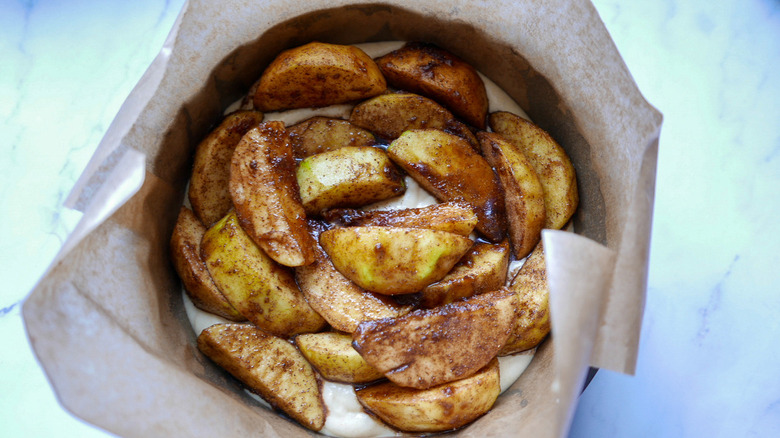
107	321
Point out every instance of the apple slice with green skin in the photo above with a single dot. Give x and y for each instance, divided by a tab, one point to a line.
549	160
318	74
426	348
270	366
340	301
185	254
393	260
523	193
334	357
533	304
447	167
455	217
265	195
347	177
444	407
482	269
259	288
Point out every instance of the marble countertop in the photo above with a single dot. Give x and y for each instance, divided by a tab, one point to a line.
708	360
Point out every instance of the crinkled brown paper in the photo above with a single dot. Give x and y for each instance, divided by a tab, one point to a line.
107	320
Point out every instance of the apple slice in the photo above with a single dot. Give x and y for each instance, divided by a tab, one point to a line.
426	348
340	301
208	192
334	357
318	74
265	194
269	366
259	288
444	407
455	217
393	260
447	167
185	253
347	177
523	193
533	308
322	134
482	269
438	74
549	160
389	115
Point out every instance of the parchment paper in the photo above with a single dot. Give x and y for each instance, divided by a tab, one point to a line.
107	321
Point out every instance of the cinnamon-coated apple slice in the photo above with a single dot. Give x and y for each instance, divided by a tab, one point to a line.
265	195
393	260
336	298
533	305
389	115
185	254
208	192
549	160
333	356
436	73
322	134
444	407
318	74
270	366
262	290
347	177
523	193
482	269
426	348
447	167
455	217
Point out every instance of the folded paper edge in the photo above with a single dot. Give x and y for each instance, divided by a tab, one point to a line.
125	179
617	343
576	290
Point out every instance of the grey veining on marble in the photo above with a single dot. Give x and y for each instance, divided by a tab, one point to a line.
708	361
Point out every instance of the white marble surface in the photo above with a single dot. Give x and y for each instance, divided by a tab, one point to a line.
708	362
